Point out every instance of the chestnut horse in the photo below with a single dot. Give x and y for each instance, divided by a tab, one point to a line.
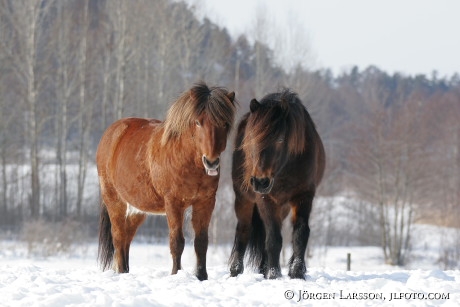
278	162
146	166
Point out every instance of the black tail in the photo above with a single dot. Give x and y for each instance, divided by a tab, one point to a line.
106	250
256	244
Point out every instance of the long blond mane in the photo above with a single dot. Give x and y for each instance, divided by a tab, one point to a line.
216	102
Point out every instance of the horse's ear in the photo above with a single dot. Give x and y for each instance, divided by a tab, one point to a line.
254	105
231	96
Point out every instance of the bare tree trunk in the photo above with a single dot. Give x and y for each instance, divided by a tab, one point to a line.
4	191
105	89
237	74
32	120
261	32
121	61
85	114
63	94
146	83
24	20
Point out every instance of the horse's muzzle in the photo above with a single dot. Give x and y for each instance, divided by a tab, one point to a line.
262	185
211	167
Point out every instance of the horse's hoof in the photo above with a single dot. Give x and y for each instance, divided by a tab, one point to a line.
273	273
297	275
236	269
297	270
234	273
202	276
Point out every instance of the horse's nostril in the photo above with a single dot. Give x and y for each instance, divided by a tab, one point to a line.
211	164
264	182
260	183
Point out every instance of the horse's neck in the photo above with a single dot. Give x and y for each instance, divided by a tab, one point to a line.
180	150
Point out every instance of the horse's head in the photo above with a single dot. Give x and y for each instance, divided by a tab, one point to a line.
211	140
207	114
271	135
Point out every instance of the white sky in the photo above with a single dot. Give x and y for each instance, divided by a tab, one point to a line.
406	36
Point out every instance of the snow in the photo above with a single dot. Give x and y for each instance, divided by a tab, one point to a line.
77	281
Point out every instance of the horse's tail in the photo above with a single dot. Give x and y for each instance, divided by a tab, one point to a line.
106	250
256	244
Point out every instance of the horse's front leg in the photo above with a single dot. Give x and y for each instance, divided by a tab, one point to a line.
300	235
271	216
244	210
175	218
201	216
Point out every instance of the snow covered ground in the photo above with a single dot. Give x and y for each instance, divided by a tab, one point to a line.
77	281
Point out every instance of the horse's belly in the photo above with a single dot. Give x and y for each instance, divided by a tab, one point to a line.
132	210
141	197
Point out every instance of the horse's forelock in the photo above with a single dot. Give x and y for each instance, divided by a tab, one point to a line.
262	128
279	111
220	109
190	105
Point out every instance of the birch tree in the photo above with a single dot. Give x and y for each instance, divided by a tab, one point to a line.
391	167
25	19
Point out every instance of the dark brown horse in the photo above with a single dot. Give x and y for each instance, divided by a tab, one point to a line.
278	162
148	166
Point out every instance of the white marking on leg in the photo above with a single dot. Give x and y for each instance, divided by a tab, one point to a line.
131	210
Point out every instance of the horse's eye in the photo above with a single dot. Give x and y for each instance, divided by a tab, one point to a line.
280	140
197	122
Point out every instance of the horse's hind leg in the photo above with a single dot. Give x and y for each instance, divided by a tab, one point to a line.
300	235
124	227
120	264
133	221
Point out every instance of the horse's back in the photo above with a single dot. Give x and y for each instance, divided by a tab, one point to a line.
317	149
114	134
320	160
314	156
